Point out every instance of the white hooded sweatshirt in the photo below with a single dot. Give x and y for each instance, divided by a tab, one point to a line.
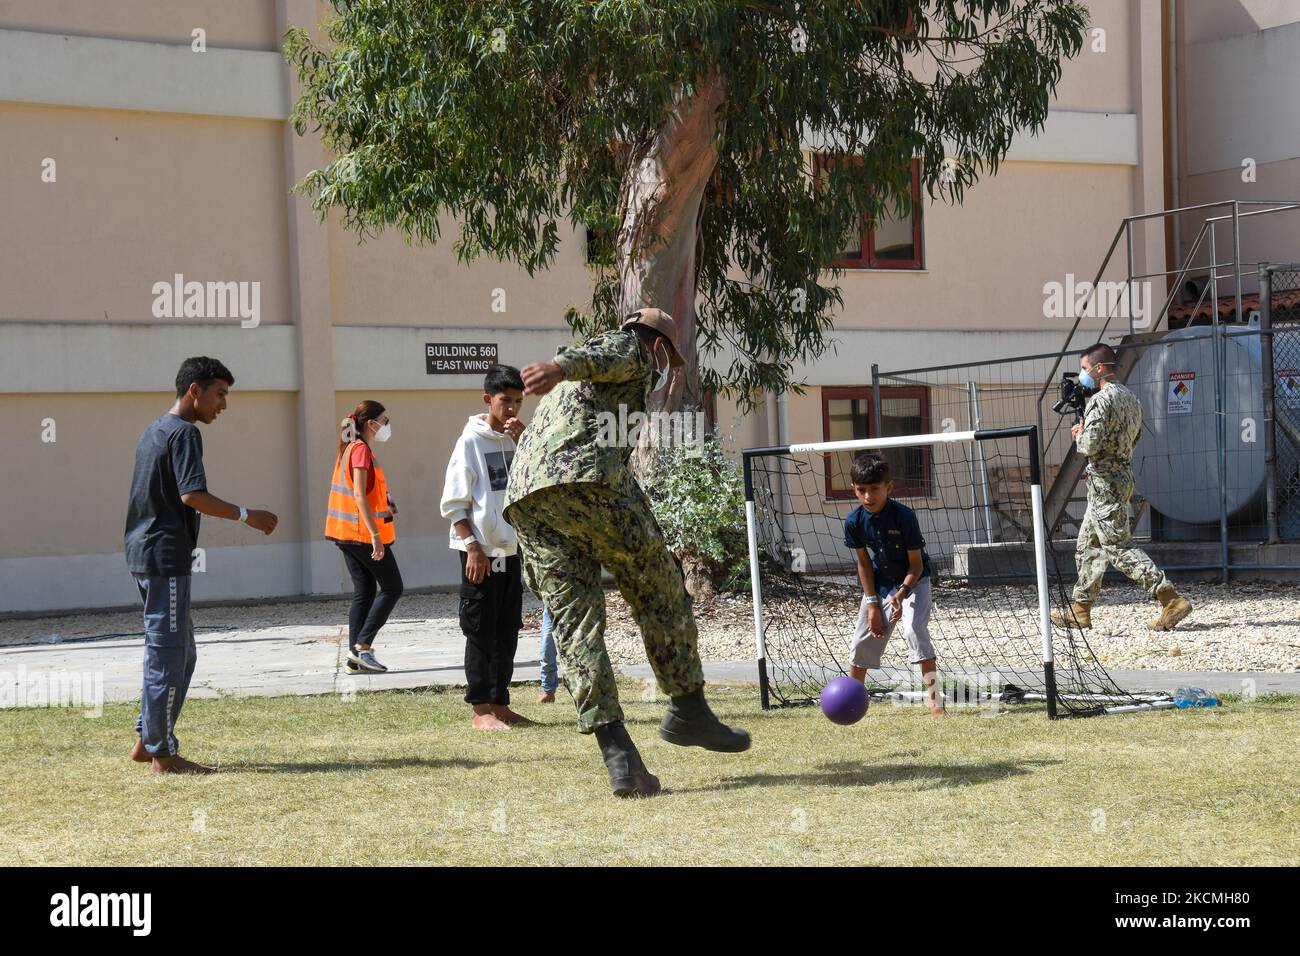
475	487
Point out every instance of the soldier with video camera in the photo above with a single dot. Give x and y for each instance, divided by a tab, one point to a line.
1107	434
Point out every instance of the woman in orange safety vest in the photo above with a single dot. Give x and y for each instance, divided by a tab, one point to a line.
360	520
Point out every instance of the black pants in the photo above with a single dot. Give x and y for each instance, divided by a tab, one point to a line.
491	615
376	586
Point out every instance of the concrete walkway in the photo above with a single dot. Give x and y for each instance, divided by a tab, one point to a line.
308	659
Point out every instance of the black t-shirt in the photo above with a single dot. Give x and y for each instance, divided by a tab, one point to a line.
161	530
888	536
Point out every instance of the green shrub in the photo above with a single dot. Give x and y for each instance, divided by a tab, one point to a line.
698	497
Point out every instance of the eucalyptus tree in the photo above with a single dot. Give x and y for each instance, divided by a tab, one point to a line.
678	133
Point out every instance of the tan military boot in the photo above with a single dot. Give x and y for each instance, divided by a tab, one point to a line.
1082	616
1173	608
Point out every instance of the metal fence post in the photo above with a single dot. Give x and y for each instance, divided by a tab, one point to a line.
974	499
1128	241
973	392
1236	259
875	399
1266	369
1220	438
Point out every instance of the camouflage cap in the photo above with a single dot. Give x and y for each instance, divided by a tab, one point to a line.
664	324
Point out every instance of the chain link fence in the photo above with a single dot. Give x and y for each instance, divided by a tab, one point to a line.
1219	458
1280	312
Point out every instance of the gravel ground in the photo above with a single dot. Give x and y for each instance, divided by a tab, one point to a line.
1235	627
1241	626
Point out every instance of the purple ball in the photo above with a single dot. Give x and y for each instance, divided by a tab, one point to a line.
844	700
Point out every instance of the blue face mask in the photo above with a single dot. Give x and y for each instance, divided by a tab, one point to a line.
1087	381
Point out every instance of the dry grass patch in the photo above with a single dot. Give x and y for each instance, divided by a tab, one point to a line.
397	778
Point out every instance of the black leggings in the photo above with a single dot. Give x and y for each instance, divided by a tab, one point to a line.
369	609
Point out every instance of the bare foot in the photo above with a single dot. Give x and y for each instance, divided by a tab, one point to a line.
938	713
178	764
508	716
488	722
485	718
547	698
139	754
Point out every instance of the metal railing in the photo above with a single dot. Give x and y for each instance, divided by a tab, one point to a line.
1071	471
1183	458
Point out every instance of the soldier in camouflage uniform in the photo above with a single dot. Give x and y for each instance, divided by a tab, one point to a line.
576	507
1111	427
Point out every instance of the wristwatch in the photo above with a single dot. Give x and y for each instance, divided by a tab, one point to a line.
904	590
243	514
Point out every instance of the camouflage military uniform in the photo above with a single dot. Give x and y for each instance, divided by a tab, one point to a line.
576	506
1112	425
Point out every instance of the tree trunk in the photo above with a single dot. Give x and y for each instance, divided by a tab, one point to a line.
662	193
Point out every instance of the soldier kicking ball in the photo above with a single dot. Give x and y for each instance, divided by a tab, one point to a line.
576	507
1111	427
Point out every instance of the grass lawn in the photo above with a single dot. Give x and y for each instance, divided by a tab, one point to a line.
398	778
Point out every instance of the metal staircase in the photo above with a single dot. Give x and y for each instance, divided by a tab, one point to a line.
1061	493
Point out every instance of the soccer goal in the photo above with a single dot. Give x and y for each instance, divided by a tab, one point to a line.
978	497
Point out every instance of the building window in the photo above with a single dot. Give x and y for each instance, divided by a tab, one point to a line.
904	410
889	242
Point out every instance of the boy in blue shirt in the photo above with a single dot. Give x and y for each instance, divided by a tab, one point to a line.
895	577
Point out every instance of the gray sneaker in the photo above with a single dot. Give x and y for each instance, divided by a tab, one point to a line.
365	661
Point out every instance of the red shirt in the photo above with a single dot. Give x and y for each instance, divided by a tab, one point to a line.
362	457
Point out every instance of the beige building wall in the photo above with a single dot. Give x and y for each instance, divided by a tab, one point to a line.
1216	19
172	161
385	281
228	24
1237	136
138	198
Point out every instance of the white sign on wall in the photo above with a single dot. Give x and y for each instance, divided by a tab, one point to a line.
446	358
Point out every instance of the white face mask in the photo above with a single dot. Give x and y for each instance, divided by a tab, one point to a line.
663	372
384	432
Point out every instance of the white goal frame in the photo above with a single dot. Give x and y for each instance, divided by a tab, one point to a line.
1029	432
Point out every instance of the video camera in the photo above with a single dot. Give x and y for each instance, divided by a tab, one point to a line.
1073	395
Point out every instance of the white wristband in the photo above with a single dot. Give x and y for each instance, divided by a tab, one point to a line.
871	600
243	514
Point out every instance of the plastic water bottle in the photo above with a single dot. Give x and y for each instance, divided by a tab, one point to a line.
1186	697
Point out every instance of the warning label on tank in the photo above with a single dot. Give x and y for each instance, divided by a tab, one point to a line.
1181	386
1288	388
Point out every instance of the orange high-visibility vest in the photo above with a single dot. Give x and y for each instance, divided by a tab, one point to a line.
343	519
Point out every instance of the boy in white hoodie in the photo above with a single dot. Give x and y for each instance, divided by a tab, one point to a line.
491	586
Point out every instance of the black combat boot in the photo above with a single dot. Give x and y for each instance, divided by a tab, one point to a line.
628	776
690	723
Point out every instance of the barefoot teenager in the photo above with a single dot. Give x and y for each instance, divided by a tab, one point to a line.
491	589
169	490
576	507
